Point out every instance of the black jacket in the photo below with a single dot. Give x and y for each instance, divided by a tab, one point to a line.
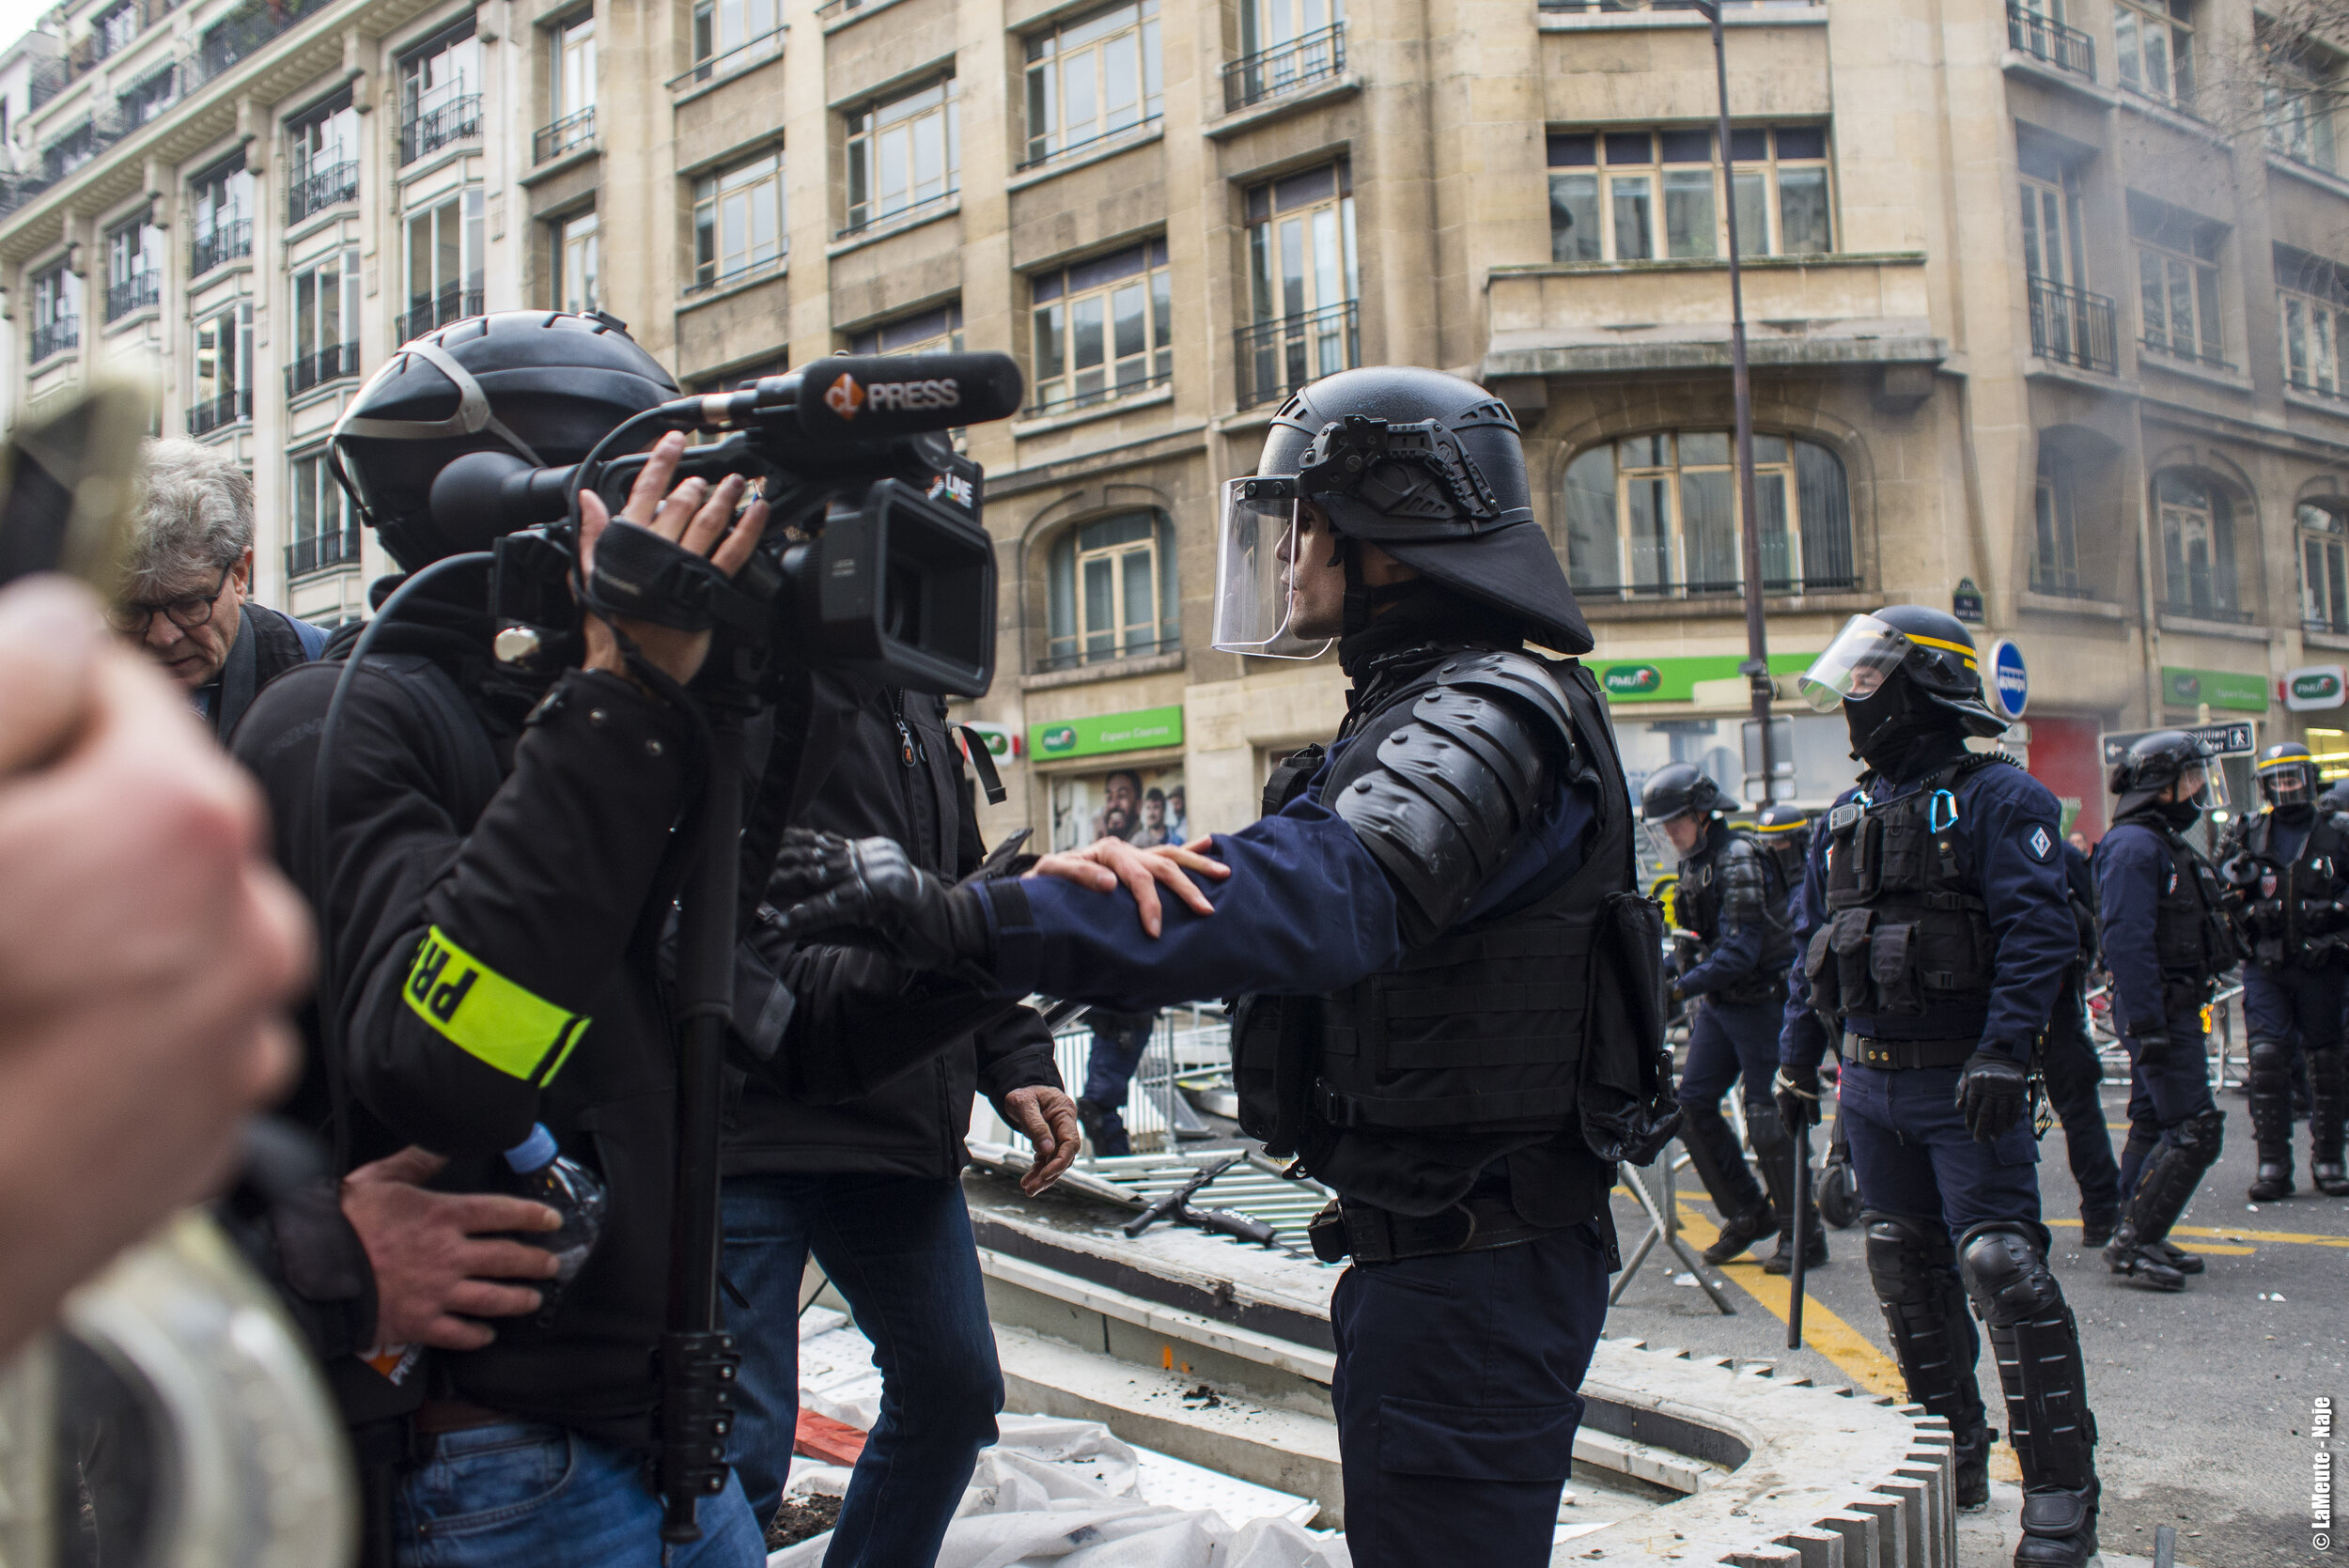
269	643
533	872
896	773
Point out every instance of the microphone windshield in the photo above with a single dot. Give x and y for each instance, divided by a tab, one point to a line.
880	396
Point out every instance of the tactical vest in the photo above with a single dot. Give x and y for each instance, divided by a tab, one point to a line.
1703	892
2289	910
1906	931
2192	941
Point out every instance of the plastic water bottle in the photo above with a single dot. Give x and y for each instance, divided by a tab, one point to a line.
571	1190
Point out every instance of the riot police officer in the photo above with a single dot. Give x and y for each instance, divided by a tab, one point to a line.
1935	933
1407	923
2074	1074
1733	896
2283	868
2165	940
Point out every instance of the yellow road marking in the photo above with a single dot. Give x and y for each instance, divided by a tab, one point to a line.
2295	1237
1821	1330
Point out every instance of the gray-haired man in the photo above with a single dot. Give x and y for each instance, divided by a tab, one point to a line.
191	569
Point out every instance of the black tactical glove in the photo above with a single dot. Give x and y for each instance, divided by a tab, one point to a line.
1795	1092
822	881
1993	1091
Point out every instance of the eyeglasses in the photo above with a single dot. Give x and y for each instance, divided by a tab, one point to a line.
133	617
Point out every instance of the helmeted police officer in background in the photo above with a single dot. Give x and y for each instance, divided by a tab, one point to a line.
2166	942
1733	896
2074	1074
2286	880
1411	924
1935	933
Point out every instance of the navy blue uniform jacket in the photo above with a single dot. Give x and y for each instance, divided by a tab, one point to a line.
2133	871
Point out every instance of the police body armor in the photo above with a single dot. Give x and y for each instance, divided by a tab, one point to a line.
2193	944
1746	883
2288	912
1398	1090
1906	931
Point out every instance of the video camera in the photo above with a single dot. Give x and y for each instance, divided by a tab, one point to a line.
873	554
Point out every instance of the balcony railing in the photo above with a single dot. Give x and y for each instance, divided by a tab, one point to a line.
1270	72
2301	382
56	338
453	121
244	33
321	189
727	62
2169	347
2072	326
575	130
1086	144
330	364
1134	386
322	552
17	190
1775	583
225	242
2042	38
1062	653
429	315
214	412
2210	609
1279	356
136	292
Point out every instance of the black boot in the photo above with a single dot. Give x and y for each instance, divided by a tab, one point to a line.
2038	1345
1774	1151
2097	1225
1104	1128
1909	1263
2270	1087
2180	1259
1746	1213
2325	1115
2165	1185
1971	1472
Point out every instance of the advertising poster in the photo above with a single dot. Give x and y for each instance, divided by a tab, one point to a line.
1145	806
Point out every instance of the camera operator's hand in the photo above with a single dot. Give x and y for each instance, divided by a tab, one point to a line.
438	1257
695	516
146	950
868	884
1048	1117
1106	864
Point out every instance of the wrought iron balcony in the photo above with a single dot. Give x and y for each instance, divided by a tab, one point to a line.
452	121
321	189
136	292
430	314
2183	349
225	242
322	552
2042	38
330	364
2072	326
2304	381
55	338
1282	67
1277	357
576	129
213	414
247	31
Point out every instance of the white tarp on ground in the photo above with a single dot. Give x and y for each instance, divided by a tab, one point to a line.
1062	1492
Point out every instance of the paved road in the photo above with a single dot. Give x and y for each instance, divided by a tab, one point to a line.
2202	1399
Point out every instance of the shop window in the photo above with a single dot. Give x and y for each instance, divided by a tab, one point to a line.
1638	195
1111	591
2324	568
1655	516
2198	547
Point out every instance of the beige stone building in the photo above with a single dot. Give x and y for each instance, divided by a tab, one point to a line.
2047	304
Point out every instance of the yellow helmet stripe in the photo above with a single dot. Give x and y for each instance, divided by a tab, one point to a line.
2280	761
1779	826
1958	648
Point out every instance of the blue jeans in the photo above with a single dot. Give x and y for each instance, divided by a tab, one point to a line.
1913	1156
531	1496
899	1249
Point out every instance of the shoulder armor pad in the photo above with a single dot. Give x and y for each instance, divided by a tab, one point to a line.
1451	789
1514	675
1745	891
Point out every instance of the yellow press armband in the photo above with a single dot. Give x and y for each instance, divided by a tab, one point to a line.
486	1015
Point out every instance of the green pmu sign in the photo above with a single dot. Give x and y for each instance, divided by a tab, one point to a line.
1101	733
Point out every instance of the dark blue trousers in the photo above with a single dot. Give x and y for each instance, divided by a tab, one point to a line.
2074	1079
1731	1043
1912	1155
900	1249
1456	1399
2168	1083
2287	1002
1109	1071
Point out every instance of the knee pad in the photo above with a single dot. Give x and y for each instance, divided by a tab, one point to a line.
2004	1265
2268	1058
2200	1136
1908	1258
2328	1069
1769	1135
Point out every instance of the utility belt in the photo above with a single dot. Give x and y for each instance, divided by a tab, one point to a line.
1481	1222
1904	1055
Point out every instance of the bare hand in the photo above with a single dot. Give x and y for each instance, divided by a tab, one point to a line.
147	948
1106	864
695	516
1048	1117
437	1255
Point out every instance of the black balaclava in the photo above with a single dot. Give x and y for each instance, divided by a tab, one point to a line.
1887	724
2180	814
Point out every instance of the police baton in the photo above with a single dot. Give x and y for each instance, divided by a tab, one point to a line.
1802	1235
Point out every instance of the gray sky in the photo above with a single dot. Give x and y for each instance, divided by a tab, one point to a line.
17	17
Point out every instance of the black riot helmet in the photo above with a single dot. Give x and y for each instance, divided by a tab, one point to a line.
1679	789
2287	775
1782	824
1428	467
544	386
1901	669
2157	761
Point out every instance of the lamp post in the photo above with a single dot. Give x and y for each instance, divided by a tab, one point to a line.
1756	667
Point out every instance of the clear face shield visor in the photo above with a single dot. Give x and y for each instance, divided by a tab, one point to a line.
1660	839
1254	586
2288	782
1862	656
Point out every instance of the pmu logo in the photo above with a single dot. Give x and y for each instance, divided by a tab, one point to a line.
844	396
1630	680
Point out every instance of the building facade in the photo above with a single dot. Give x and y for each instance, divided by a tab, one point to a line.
2046	300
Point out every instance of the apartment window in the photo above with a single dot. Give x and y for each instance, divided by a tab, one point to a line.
2313	297
1113	591
2177	277
929	332
2299	98
903	153
722	26
325	322
1092	77
114	28
135	265
439	94
571	80
323	146
224	370
141	102
576	264
1302	282
2154	41
738	220
324	532
1103	328
1266	25
2324	568
1634	195
56	313
1656	515
443	264
2197	545
224	215
2055	562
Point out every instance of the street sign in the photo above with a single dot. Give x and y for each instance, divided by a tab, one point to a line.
1965	601
2232	739
2009	685
2312	688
